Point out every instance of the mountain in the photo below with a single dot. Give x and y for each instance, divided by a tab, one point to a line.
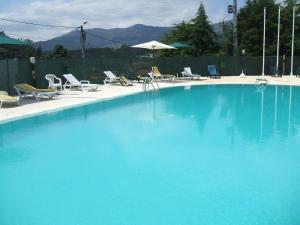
115	37
98	37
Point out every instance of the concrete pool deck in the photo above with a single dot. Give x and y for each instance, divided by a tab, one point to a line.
69	99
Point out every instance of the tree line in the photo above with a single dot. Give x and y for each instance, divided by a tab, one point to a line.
199	33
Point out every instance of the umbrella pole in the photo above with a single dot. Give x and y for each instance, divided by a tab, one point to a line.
153	63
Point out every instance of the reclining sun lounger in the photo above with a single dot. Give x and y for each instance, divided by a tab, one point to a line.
24	90
157	75
72	82
124	81
187	72
112	78
5	98
213	73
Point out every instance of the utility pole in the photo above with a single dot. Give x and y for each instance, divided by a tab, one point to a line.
82	42
235	34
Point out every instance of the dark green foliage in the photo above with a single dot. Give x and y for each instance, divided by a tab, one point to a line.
250	27
203	38
286	28
59	52
182	32
198	33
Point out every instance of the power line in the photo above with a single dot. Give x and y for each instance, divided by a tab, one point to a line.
20	35
38	24
60	26
101	37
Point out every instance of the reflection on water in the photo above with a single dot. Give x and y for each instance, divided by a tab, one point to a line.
244	110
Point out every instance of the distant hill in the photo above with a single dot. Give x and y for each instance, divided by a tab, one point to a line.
98	37
114	38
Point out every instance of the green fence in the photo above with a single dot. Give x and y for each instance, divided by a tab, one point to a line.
16	71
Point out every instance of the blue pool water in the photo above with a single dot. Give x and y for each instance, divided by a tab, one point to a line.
213	155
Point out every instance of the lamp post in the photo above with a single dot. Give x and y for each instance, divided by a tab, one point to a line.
243	63
264	43
82	42
278	42
293	40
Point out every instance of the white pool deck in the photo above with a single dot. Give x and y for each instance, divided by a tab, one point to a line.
69	99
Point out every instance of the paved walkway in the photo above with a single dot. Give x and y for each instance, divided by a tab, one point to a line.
30	107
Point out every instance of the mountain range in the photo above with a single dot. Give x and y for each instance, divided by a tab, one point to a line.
114	38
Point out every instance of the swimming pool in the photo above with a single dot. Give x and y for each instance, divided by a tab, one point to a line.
225	154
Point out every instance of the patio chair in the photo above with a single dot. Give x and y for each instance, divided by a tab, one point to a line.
187	72
110	77
212	71
24	90
5	98
82	85
157	75
52	81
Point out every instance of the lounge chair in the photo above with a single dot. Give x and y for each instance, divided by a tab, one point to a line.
110	77
187	72
212	71
24	90
157	75
82	85
5	98
124	81
52	81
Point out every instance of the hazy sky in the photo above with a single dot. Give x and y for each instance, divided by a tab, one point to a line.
101	13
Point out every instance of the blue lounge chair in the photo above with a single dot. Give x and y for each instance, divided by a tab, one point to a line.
213	73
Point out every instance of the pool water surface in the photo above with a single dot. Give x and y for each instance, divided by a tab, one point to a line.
213	155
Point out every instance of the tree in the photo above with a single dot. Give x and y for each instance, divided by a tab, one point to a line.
203	37
286	28
38	53
59	52
250	27
180	33
198	33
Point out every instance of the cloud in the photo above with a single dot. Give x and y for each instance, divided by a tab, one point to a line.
101	14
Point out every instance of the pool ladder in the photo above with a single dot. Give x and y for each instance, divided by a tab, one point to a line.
149	82
261	82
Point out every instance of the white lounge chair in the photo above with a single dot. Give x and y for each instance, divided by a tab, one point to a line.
187	72
110	77
72	82
52	81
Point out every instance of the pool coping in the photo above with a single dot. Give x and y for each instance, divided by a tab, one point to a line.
223	81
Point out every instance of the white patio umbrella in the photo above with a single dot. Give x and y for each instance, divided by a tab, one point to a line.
153	45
